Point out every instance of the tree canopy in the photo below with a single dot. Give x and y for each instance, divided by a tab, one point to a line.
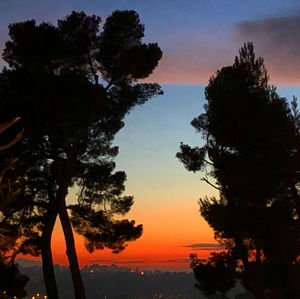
72	86
250	155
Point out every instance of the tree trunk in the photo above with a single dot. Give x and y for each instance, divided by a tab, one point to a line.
71	251
48	270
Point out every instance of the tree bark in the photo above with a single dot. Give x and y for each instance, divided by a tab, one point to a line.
47	261
49	222
71	251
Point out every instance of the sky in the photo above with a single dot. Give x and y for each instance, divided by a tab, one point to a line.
197	37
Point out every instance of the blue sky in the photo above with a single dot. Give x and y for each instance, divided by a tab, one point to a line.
151	137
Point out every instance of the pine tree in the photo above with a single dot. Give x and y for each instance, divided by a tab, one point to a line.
70	120
251	154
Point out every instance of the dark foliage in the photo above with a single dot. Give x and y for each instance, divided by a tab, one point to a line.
12	282
70	120
252	154
216	275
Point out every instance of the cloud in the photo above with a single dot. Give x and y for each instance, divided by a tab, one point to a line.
277	40
184	261
205	246
190	62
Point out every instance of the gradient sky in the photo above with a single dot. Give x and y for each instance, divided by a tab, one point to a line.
197	37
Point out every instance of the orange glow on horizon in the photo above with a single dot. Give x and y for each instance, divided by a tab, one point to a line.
162	245
162	242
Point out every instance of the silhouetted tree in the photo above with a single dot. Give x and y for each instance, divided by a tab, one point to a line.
215	275
252	154
12	282
70	120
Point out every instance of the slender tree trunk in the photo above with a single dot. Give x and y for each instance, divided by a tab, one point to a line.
71	251
47	261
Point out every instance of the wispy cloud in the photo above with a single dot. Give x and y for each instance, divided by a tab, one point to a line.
191	63
205	246
184	261
276	39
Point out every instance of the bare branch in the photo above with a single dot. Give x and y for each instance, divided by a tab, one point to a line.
210	163
209	183
109	85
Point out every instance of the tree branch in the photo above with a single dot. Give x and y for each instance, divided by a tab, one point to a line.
209	183
109	85
210	163
92	68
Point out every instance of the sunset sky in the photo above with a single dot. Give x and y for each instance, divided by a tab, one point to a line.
197	38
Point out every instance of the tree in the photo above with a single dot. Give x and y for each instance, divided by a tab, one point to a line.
215	275
251	152
56	69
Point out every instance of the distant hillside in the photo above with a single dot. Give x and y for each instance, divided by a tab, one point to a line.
28	263
113	282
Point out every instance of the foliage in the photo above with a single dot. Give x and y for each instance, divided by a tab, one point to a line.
215	275
251	152
12	283
70	120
